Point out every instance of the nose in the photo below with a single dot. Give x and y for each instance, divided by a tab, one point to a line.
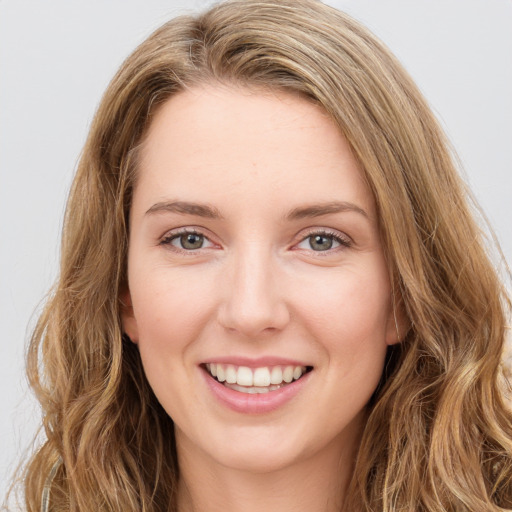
254	303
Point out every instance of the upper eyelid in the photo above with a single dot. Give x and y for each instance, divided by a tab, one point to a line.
323	231
170	233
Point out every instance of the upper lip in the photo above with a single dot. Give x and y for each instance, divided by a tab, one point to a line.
255	362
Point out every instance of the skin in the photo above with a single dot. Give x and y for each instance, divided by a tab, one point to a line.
258	286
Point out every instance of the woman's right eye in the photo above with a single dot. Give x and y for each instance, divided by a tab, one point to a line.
187	241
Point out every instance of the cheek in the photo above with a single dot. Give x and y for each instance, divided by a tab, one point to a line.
350	299
349	317
171	309
169	304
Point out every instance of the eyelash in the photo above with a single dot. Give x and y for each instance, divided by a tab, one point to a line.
169	238
343	241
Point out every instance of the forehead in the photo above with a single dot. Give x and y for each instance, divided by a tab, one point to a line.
211	141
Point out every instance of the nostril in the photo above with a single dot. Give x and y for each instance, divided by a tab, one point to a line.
252	322
253	303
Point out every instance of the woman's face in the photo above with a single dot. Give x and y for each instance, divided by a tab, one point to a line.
255	256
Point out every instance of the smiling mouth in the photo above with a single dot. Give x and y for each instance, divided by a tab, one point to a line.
255	380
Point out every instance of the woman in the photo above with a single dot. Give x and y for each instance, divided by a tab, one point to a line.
272	290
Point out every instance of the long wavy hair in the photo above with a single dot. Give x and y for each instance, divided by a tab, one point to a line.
438	435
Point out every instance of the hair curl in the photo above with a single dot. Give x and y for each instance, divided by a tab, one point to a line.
439	436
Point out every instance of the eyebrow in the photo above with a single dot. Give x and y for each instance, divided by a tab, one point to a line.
317	210
183	207
210	212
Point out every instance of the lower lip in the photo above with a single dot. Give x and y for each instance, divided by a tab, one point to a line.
258	403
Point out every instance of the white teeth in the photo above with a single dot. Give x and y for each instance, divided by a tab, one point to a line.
257	379
261	377
230	374
276	377
297	372
244	376
252	390
288	374
221	376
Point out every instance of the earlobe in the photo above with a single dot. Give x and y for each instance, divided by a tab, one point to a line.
128	321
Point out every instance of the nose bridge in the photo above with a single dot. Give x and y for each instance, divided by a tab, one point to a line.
254	300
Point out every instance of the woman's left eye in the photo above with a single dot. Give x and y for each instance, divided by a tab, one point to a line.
188	241
320	242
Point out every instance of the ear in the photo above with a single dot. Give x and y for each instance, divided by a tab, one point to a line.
128	321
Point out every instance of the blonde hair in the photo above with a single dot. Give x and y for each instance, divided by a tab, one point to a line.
438	436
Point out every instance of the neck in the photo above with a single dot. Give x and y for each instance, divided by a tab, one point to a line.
317	483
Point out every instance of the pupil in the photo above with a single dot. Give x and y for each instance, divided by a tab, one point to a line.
191	241
320	243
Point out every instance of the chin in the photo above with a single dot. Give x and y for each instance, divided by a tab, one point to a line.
260	461
268	448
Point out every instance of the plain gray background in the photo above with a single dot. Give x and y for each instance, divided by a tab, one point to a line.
57	57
